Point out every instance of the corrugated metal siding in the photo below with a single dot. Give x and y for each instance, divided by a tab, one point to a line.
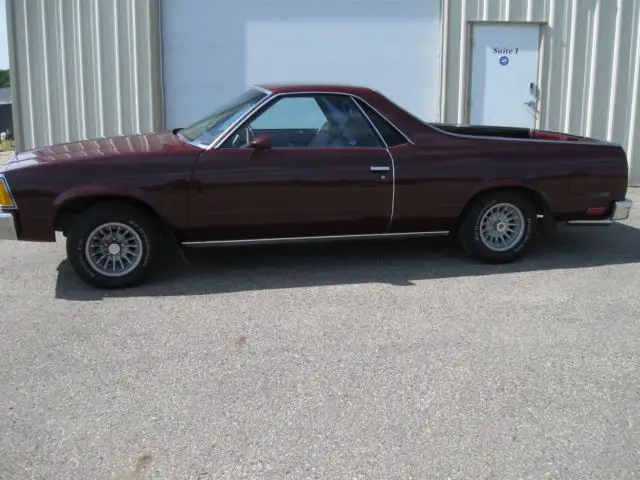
83	69
589	71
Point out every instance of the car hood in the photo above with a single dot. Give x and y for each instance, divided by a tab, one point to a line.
109	147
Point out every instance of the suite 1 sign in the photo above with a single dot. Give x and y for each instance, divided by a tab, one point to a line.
504	54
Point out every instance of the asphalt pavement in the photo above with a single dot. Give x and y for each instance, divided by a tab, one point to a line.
378	360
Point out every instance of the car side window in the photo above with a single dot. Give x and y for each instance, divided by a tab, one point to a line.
390	134
290	114
309	121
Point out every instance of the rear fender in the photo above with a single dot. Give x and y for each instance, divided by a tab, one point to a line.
541	199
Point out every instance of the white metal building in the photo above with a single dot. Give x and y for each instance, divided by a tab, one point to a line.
87	68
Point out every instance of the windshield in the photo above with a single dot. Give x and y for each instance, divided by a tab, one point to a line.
206	130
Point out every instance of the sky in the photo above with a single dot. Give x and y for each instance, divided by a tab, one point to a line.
4	42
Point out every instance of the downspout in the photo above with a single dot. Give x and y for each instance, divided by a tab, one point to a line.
445	6
14	77
157	64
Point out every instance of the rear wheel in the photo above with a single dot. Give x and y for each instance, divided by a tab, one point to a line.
112	245
499	227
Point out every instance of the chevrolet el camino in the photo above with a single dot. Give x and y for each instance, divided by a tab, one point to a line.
306	162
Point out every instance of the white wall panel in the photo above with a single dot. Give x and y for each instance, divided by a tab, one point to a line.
212	49
590	64
83	69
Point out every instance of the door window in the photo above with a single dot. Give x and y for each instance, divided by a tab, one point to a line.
309	121
292	113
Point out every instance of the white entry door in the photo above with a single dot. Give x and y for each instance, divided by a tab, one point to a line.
504	73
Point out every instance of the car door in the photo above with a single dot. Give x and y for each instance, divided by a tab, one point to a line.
326	172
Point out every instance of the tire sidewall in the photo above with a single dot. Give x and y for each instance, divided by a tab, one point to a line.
77	240
471	237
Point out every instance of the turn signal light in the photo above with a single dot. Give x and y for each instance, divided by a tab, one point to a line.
6	200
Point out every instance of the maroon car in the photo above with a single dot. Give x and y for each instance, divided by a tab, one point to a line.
304	162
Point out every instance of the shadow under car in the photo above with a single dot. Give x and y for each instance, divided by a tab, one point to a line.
396	262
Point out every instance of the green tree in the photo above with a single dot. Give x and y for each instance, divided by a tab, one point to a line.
5	79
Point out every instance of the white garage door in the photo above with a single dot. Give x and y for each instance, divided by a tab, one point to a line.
212	49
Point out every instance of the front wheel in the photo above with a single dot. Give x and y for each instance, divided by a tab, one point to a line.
498	227
112	245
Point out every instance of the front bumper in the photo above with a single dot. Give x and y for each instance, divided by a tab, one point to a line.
7	227
621	210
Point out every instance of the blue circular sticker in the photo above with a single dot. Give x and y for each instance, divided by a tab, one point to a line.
504	60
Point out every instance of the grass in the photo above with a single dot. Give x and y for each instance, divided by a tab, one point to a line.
7	146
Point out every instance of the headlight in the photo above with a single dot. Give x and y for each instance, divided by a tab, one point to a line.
6	199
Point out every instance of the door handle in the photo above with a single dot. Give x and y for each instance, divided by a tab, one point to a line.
379	169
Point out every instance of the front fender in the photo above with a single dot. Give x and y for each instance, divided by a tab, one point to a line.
67	204
97	191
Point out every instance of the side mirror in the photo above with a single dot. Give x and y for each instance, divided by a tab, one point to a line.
261	142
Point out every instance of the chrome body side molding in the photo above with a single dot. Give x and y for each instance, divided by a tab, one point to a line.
320	238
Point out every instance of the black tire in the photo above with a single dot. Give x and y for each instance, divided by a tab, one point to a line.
469	235
132	219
